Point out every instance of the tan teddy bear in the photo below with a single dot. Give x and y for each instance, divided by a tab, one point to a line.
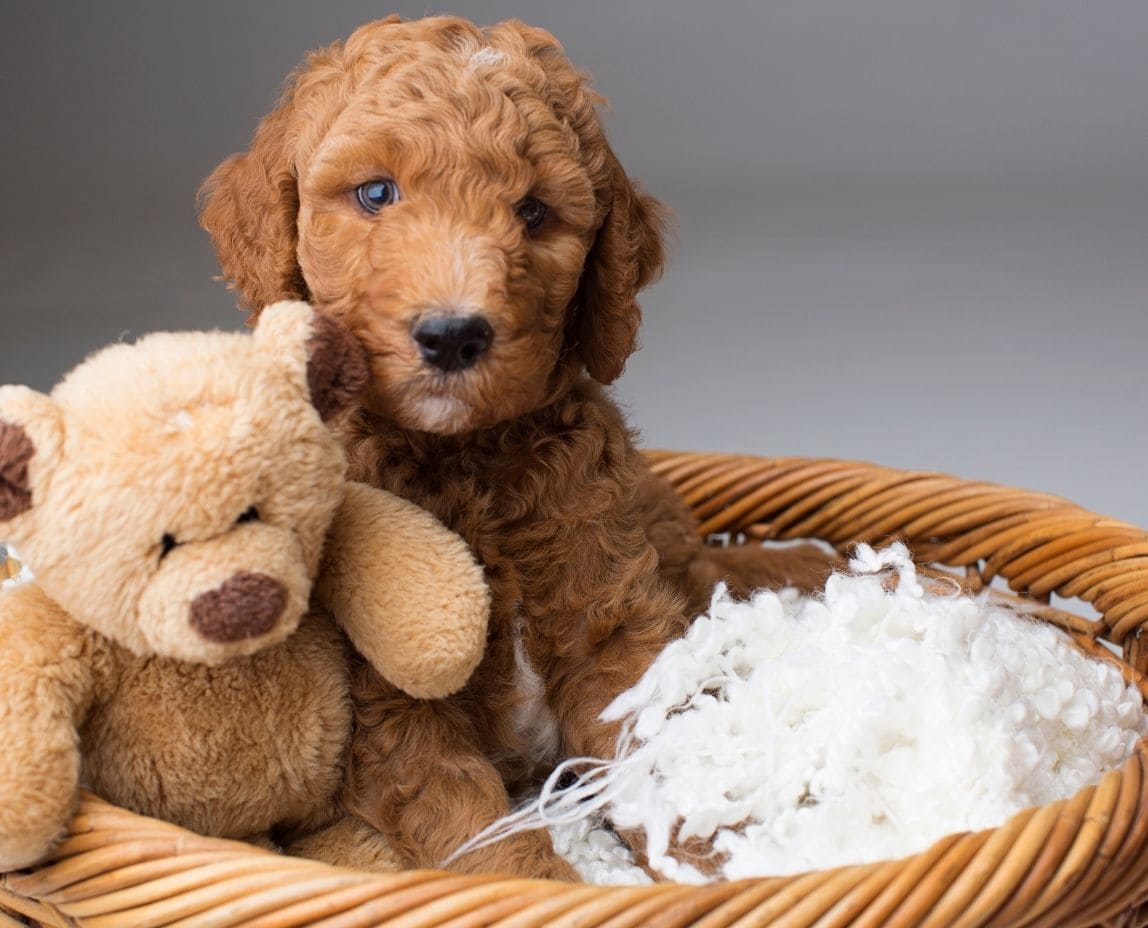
176	499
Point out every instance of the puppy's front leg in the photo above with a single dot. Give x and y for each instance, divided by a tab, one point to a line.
418	775
622	626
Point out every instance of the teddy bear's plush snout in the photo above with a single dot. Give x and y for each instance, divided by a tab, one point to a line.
225	597
246	606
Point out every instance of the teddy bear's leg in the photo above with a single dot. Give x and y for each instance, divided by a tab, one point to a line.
45	682
348	842
419	775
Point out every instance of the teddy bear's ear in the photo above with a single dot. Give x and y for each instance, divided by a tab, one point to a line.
336	364
31	432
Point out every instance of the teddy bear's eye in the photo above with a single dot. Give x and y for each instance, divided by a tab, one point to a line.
250	514
167	544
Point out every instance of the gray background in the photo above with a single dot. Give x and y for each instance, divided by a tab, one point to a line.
910	232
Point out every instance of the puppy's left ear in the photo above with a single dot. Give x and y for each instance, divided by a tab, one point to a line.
330	362
628	253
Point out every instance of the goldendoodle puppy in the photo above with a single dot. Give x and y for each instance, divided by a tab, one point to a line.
447	190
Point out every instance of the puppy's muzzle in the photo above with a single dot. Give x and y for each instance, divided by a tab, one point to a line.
451	342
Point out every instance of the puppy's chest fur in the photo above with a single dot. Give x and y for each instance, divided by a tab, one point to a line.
534	726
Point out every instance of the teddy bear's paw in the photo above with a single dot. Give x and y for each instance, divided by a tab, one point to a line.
29	828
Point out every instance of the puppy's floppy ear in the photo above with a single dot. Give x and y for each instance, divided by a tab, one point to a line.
330	362
627	254
31	438
248	205
628	250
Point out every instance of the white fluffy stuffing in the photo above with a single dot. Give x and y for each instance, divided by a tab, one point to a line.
800	733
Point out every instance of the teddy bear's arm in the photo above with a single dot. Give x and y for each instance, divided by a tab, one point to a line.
406	590
46	684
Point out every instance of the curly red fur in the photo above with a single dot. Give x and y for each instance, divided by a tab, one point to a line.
593	563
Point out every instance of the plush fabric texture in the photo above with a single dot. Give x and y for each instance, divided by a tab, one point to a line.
594	564
169	654
247	605
336	367
791	733
15	452
428	658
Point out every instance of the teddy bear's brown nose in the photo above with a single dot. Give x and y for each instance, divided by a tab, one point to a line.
245	606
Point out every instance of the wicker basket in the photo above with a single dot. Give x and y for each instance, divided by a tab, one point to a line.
1078	862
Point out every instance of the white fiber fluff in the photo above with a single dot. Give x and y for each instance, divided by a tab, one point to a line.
800	733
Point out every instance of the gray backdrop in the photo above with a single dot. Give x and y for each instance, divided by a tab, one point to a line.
909	231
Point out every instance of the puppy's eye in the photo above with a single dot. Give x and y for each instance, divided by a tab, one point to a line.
167	544
531	211
375	194
250	514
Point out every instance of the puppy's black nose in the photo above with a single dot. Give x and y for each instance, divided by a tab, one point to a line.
452	343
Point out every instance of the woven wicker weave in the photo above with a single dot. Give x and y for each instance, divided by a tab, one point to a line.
1078	862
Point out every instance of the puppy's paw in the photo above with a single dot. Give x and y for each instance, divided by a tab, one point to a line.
527	854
